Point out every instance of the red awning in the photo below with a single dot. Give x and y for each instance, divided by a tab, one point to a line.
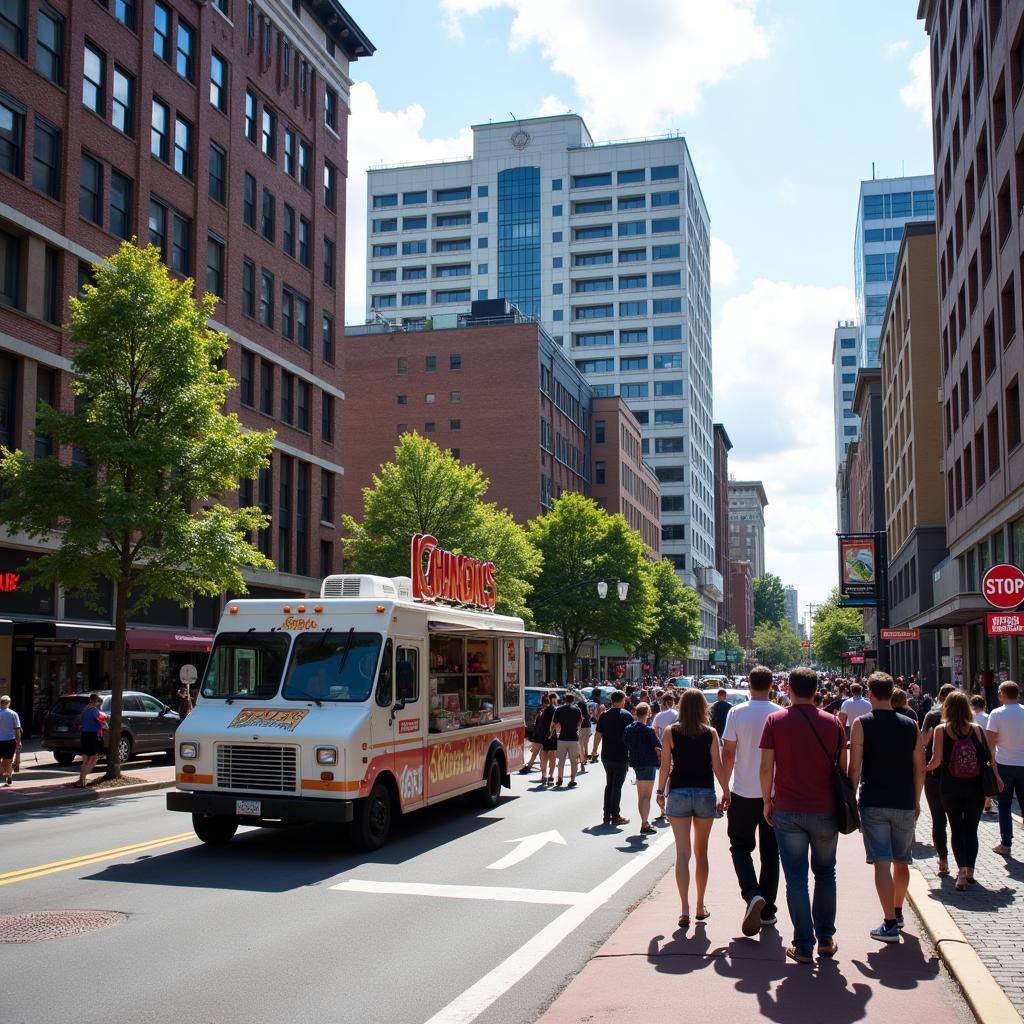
167	640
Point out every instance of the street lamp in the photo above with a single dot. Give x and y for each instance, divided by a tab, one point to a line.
602	589
621	588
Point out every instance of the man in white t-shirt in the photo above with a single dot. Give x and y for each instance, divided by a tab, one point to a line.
741	757
1005	731
853	707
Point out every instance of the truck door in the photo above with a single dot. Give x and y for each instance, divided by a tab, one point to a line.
409	722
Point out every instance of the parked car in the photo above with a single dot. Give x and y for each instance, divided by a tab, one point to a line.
734	697
680	682
713	682
535	697
147	725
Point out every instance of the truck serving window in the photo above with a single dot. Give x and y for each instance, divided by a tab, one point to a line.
248	665
333	666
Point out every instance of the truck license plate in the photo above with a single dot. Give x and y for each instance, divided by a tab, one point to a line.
248	808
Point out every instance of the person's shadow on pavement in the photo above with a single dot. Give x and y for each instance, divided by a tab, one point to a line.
685	952
901	967
809	995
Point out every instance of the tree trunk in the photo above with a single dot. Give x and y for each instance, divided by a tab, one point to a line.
117	678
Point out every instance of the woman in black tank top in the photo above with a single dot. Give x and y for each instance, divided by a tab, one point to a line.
691	761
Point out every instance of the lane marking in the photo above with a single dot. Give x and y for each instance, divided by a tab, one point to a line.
496	893
465	1008
527	847
85	860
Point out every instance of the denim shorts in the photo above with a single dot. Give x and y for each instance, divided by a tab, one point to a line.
691	803
888	834
647	774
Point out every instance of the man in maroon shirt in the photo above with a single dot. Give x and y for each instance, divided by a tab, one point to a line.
798	747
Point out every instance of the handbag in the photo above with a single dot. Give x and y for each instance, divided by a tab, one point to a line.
847	813
989	786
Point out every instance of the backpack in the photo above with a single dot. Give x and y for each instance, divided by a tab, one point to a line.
963	758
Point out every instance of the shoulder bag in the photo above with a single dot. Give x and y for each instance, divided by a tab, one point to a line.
846	800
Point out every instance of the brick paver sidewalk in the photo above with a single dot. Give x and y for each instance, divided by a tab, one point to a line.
991	912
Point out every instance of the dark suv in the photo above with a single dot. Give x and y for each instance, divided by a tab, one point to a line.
147	725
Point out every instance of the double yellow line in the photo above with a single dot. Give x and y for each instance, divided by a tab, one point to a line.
39	870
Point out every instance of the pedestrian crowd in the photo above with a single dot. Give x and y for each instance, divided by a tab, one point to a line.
804	760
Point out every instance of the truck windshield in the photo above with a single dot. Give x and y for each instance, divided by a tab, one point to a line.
333	666
248	665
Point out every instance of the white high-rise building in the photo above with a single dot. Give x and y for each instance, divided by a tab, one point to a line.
609	247
793	608
844	376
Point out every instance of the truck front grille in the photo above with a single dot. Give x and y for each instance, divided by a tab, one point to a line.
258	767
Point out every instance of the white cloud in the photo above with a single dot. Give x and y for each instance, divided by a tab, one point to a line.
551	106
898	47
773	393
917	93
636	71
381	137
723	263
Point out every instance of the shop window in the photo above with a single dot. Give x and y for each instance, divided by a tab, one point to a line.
461	683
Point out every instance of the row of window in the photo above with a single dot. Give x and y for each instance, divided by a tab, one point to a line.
430	366
456	194
897	205
637	308
277	392
664	279
630	336
662	389
625	229
420	273
606	204
661	361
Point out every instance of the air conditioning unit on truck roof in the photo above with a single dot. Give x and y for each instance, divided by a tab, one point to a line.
366	586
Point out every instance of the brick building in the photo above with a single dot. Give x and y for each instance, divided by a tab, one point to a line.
741	600
978	135
218	131
499	394
623	481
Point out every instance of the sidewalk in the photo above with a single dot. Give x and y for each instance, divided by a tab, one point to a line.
645	969
44	783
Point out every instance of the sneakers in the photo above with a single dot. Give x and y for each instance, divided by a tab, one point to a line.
886	932
899	919
752	918
801	956
1001	848
525	770
768	919
10	780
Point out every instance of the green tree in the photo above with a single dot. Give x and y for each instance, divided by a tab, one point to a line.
730	638
137	506
427	490
677	622
832	626
581	544
777	644
769	599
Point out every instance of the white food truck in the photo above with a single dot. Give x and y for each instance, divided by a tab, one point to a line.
372	700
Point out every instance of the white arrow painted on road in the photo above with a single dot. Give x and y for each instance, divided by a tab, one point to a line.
528	846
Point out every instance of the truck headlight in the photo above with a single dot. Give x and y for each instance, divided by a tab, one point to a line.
188	751
326	755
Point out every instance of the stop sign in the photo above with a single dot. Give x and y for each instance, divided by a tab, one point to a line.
1003	586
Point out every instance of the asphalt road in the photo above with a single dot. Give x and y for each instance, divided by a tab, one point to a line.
259	930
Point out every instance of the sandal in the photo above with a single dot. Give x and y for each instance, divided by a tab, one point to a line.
943	866
704	916
961	880
684	921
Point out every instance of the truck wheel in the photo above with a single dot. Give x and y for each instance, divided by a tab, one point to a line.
372	822
64	757
491	792
214	829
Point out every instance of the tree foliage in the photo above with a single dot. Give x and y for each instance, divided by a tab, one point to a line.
677	622
132	497
778	645
581	544
730	638
769	599
427	490
832	626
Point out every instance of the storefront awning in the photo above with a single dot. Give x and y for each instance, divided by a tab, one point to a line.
957	611
484	632
168	640
65	631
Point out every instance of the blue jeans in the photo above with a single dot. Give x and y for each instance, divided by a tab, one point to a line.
796	833
1013	782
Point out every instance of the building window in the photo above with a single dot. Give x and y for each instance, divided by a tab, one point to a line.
329	262
302	519
304	164
122	114
403	365
327	417
90	197
49	41
287	314
326	496
158	227
158	139
162	32
330	185
185	50
289	152
267	298
302	322
599	473
218	81
267	215
288	231
302	405
215	265
666	173
93	77
181	245
183	147
250	116
120	205
304	229
268	134
266	387
284	514
248	287
330	108
248	373
12	26
287	396
327	337
249	201
218	173
326	561
45	156
10	271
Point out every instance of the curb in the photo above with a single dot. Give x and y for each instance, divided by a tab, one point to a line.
987	1001
57	800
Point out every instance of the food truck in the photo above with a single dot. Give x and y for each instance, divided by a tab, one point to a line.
377	698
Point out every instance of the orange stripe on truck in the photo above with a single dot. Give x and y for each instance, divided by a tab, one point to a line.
201	780
333	787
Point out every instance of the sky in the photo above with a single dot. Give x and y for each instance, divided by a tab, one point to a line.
786	106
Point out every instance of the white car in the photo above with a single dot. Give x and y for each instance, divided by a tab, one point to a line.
734	697
680	682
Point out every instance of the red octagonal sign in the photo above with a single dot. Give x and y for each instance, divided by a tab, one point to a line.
1003	586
